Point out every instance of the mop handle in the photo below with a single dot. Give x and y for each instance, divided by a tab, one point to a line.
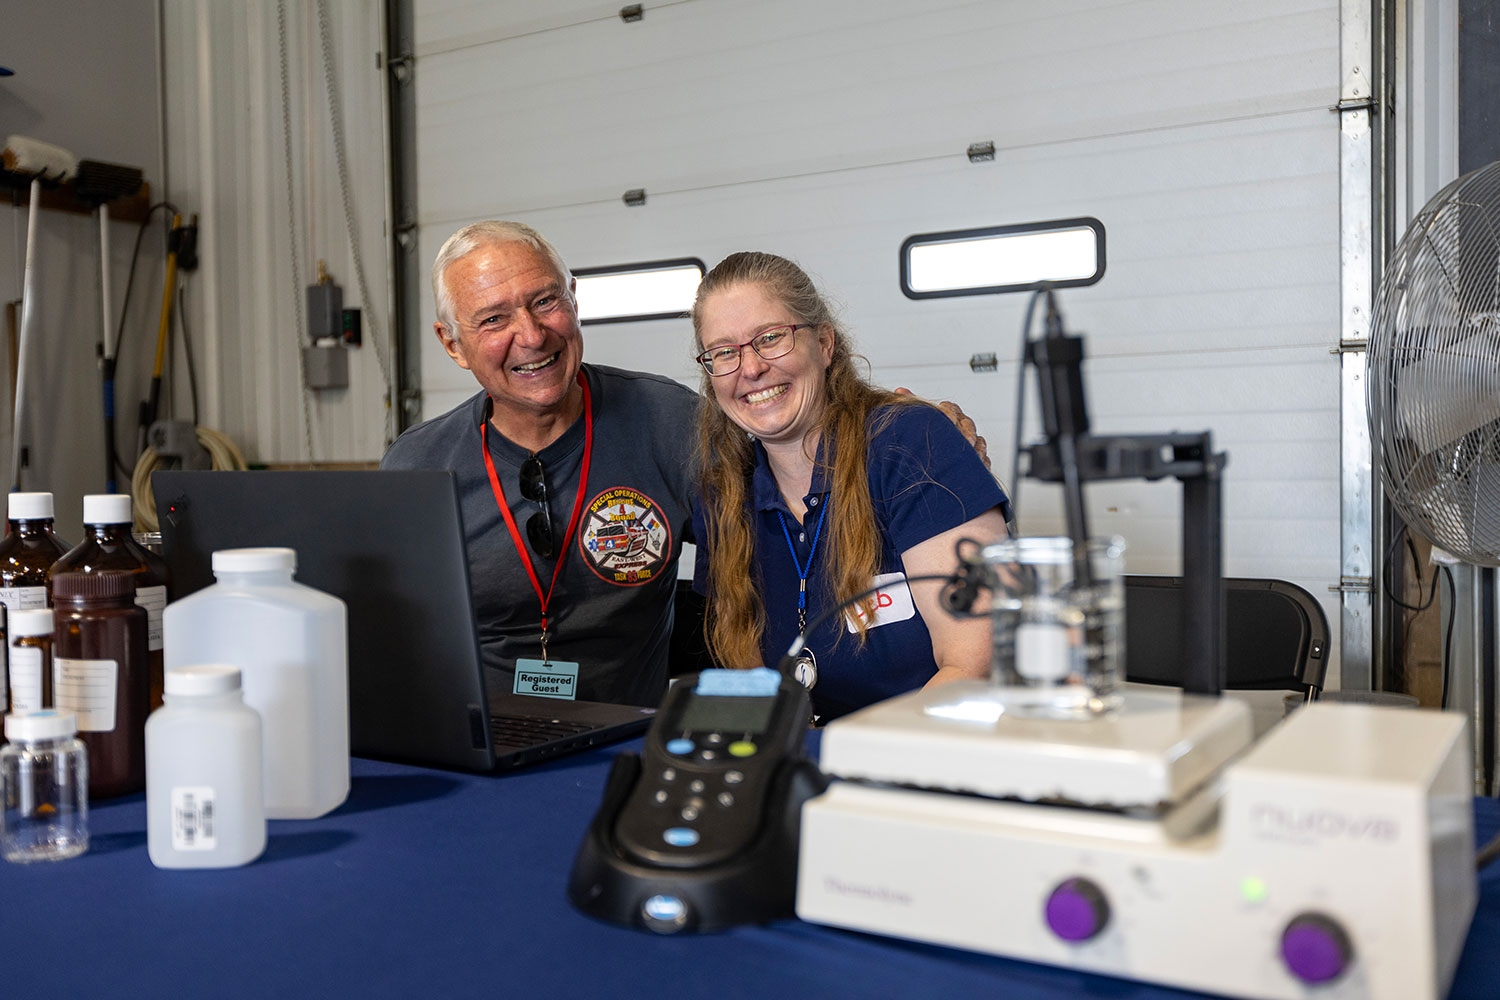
166	306
106	310
28	324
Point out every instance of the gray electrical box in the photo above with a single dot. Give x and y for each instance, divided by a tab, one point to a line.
327	366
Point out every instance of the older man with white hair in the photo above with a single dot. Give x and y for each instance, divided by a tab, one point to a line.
573	479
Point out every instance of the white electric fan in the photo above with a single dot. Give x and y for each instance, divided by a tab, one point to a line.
1433	385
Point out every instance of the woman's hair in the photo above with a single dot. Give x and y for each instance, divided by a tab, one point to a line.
477	236
851	543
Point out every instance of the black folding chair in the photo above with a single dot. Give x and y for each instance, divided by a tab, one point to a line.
1275	634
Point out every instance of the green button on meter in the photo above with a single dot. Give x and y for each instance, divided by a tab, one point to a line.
742	748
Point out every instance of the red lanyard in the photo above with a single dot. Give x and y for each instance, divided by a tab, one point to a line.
510	522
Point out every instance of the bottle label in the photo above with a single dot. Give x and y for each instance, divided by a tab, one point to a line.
23	598
25	679
193	818
87	687
154	600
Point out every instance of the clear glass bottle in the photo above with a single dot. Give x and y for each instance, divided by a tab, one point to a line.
204	803
27	552
44	778
290	642
30	659
100	673
108	544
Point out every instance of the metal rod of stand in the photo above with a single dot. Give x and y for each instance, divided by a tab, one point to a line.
1202	579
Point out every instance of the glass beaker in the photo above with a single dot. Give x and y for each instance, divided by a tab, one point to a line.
1056	639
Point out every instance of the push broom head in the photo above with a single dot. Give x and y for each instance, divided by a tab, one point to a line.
100	182
25	158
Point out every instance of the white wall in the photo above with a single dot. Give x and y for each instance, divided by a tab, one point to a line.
88	84
271	209
86	78
1198	132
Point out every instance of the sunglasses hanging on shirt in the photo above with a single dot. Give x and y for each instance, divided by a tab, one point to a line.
539	525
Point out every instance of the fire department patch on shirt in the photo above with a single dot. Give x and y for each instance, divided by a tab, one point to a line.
624	537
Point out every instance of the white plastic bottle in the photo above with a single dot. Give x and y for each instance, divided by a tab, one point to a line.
291	645
204	804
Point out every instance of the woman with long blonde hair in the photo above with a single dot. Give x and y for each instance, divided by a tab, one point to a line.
816	486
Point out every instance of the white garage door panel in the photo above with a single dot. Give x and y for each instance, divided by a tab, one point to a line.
447	25
1198	132
1292	499
1167	299
715	93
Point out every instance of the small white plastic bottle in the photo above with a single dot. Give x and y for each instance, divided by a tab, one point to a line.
290	642
204	804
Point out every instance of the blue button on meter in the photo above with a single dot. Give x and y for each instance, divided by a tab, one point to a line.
680	836
680	746
664	914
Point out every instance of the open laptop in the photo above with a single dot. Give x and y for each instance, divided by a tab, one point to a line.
391	545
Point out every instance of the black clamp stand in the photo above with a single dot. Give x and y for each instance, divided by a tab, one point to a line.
1072	456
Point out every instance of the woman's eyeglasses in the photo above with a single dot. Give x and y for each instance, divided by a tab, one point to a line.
534	488
769	344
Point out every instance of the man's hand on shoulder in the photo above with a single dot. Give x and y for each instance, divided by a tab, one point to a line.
960	420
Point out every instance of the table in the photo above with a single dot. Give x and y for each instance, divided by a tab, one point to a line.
437	884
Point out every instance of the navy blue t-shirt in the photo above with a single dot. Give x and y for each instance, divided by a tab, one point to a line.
924	479
611	611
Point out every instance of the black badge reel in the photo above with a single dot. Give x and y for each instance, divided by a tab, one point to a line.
699	831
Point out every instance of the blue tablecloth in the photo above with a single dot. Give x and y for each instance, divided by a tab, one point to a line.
434	884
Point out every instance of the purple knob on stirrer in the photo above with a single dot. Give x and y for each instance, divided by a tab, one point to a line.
1077	910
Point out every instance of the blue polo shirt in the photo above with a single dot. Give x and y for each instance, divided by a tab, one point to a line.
924	479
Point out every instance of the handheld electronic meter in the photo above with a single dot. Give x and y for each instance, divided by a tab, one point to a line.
699	832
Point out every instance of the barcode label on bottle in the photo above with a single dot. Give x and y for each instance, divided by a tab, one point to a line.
23	598
193	818
25	679
154	600
89	688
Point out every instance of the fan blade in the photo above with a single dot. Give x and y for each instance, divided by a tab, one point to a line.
1447	394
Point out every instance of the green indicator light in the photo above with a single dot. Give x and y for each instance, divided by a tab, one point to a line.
1253	889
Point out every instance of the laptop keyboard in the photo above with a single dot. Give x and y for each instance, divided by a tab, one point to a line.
513	731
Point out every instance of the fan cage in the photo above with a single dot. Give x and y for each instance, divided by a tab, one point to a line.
1433	384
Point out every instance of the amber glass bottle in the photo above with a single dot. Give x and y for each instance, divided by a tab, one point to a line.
29	659
108	545
100	672
28	551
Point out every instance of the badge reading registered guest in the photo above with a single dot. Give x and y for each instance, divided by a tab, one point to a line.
547	679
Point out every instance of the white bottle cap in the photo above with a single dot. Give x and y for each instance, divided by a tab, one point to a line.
203	678
29	506
48	724
106	508
32	621
253	560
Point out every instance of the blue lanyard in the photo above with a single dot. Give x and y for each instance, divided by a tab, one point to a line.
803	570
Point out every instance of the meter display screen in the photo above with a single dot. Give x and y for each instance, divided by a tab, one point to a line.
726	714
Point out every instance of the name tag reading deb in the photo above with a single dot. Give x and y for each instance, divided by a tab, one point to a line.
547	679
893	603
